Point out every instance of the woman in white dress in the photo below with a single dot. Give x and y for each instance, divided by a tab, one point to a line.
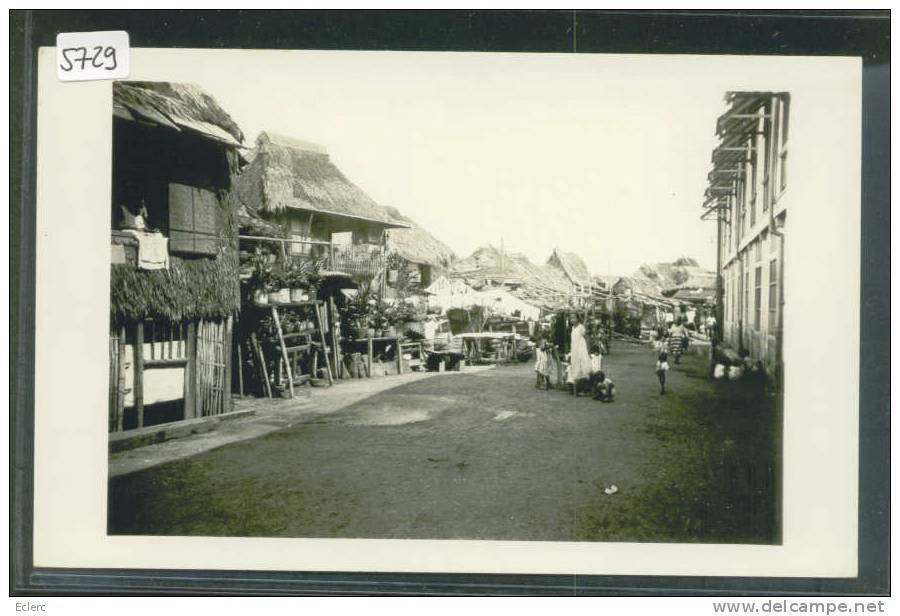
580	359
540	365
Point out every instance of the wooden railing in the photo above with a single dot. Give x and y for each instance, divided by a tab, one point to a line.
359	259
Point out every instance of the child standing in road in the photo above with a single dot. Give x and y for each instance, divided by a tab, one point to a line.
543	364
662	367
540	364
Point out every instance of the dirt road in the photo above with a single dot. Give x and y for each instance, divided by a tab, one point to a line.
487	456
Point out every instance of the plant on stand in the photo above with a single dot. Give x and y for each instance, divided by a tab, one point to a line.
260	281
357	311
280	291
393	263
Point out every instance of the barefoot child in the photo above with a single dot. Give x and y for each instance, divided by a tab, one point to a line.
542	365
662	366
605	389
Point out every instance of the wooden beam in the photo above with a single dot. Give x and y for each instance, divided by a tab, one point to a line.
335	339
139	372
165	363
226	359
120	389
284	356
320	323
260	361
280	240
190	372
240	371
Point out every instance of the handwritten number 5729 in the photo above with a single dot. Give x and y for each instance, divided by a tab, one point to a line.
98	57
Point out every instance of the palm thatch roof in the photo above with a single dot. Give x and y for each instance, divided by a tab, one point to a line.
684	272
417	245
489	264
178	106
541	286
286	173
571	265
251	223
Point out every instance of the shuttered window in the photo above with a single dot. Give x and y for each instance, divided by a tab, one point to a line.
195	220
773	294
757	298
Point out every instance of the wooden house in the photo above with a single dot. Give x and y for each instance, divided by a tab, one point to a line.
423	258
174	283
295	184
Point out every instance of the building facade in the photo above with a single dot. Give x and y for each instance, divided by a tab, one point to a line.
747	196
173	255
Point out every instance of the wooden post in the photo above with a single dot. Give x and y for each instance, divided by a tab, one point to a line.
240	361
190	372
139	372
335	339
284	356
226	359
261	363
320	323
369	356
120	390
399	356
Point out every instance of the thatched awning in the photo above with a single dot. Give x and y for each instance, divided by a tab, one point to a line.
249	223
176	106
287	173
417	245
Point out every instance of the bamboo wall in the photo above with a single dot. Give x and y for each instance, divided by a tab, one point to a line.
200	348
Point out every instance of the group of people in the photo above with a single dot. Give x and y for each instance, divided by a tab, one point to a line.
673	341
580	371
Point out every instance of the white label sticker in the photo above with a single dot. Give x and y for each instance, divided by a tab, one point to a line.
82	56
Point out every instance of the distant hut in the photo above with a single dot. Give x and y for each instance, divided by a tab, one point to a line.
423	258
174	283
571	265
294	184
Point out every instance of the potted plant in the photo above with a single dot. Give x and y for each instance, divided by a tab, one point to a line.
260	277
279	293
393	262
298	277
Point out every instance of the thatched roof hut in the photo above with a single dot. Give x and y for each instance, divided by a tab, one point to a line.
571	265
538	285
165	135
177	106
684	272
417	245
288	174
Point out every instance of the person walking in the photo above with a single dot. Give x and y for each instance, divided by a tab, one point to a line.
662	367
711	329
677	335
579	358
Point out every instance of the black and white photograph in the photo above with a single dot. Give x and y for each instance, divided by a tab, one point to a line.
558	317
467	301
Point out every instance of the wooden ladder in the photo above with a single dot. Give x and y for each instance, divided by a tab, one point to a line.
293	350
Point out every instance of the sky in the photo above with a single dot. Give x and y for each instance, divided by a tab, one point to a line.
604	156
